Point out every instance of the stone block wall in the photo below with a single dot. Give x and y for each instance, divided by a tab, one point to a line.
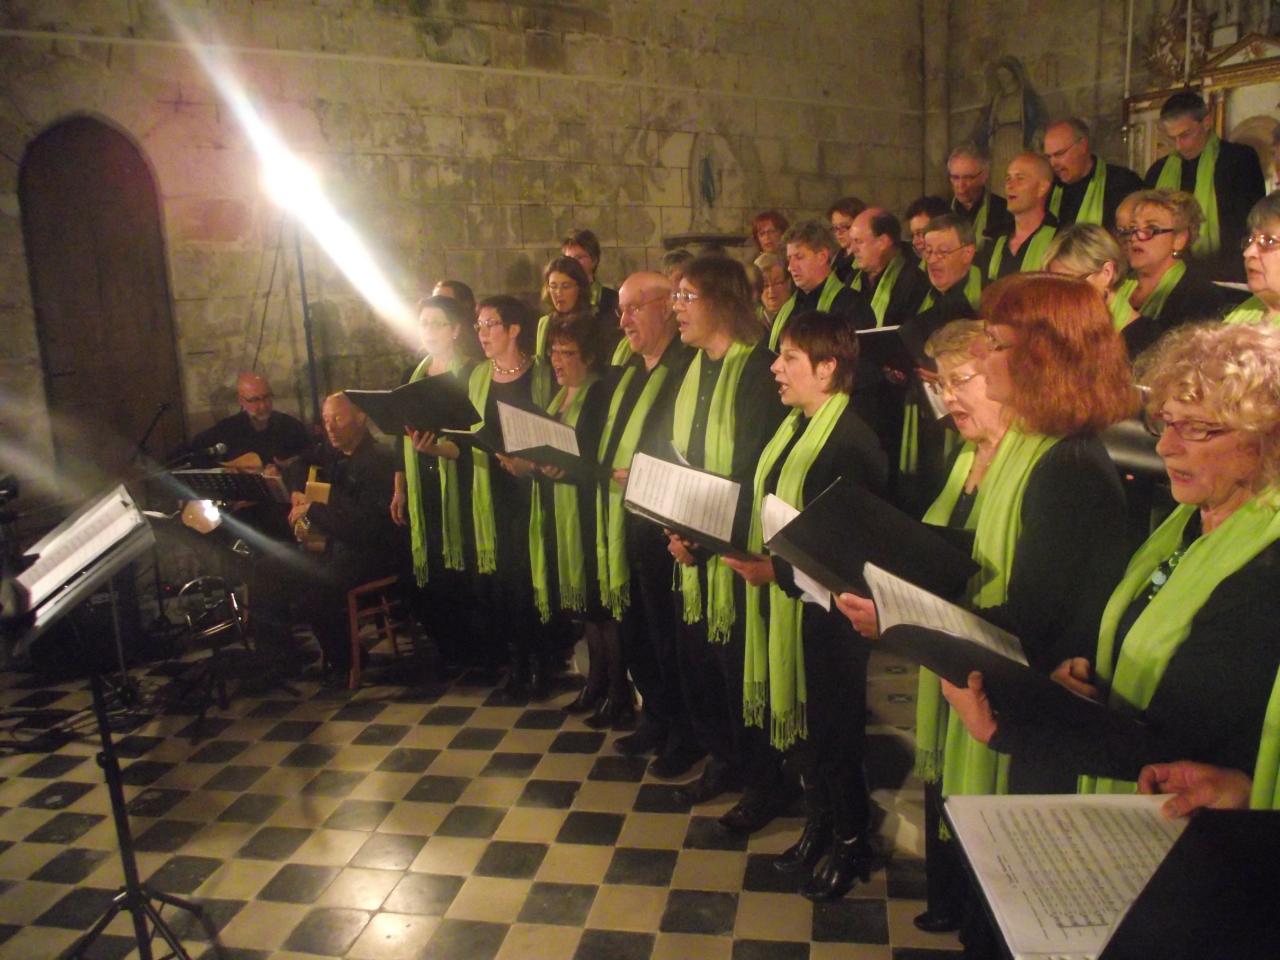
462	138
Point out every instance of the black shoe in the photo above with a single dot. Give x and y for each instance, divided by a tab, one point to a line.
675	761
586	701
649	738
753	812
615	712
848	862
936	922
803	855
539	682
717	778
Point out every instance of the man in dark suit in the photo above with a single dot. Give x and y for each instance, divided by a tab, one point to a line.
1086	189
1231	185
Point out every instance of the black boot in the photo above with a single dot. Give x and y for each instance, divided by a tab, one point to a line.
516	687
803	855
593	691
849	861
539	677
619	709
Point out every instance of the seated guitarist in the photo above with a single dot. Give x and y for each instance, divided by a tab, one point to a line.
275	437
363	542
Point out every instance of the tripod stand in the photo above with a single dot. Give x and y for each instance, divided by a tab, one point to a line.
134	897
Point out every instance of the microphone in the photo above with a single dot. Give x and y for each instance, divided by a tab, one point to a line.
217	450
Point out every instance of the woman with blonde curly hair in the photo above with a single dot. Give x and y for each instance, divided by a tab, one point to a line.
1188	640
1158	241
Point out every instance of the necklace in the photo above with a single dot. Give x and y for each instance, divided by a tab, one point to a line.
510	371
1160	576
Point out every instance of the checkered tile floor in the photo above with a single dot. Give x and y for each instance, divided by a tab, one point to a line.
407	822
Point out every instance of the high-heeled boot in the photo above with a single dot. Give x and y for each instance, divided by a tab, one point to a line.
803	855
619	708
851	855
593	691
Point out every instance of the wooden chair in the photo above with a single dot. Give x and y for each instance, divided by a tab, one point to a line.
378	603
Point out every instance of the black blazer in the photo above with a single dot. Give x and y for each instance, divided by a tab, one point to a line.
1193	298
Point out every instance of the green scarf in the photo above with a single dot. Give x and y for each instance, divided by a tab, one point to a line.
570	569
1164	624
1266	772
1210	240
482	519
540	341
1154	304
717	458
980	221
1122	312
612	568
884	289
450	504
972	292
775	654
1252	310
1091	206
970	767
931	708
831	287
1032	259
597	291
621	353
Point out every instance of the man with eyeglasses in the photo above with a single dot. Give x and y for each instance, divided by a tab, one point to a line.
635	567
1086	189
1225	178
258	428
968	168
1022	244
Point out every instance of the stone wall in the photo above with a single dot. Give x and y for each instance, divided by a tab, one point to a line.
1073	52
460	137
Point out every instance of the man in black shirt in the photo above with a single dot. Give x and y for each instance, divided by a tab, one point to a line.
811	253
363	544
1086	189
1226	197
1021	246
258	428
583	246
886	276
968	168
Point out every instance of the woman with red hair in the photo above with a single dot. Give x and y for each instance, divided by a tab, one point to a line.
767	228
1049	518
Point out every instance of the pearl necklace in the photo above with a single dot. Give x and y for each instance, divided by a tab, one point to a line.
508	372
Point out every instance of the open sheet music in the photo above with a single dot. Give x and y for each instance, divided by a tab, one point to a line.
900	602
695	503
776	513
1059	872
522	430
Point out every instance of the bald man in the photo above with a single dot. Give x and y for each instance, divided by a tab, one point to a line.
1021	247
886	276
1086	189
258	428
363	543
639	581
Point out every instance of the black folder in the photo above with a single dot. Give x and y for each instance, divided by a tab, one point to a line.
430	405
889	347
704	540
488	438
845	527
1213	896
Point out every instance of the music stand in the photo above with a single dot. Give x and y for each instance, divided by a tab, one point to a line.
73	560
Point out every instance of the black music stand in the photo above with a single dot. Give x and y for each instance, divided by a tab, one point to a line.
79	555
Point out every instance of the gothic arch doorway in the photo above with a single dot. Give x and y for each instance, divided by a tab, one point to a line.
99	283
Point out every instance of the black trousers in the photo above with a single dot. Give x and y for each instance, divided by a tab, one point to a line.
711	682
648	629
832	756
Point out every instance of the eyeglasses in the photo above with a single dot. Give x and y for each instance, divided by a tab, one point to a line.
437	324
1144	234
263	398
482	325
1266	242
841	227
622	311
955	383
1059	154
684	296
932	253
768	231
780	282
562	287
1192	431
565	352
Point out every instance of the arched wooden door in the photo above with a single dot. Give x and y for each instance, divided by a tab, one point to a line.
95	252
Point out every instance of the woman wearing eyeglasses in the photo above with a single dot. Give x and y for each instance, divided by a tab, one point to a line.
431	485
1261	264
500	490
1158	241
725	410
1088	252
842	213
1188	640
567	290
